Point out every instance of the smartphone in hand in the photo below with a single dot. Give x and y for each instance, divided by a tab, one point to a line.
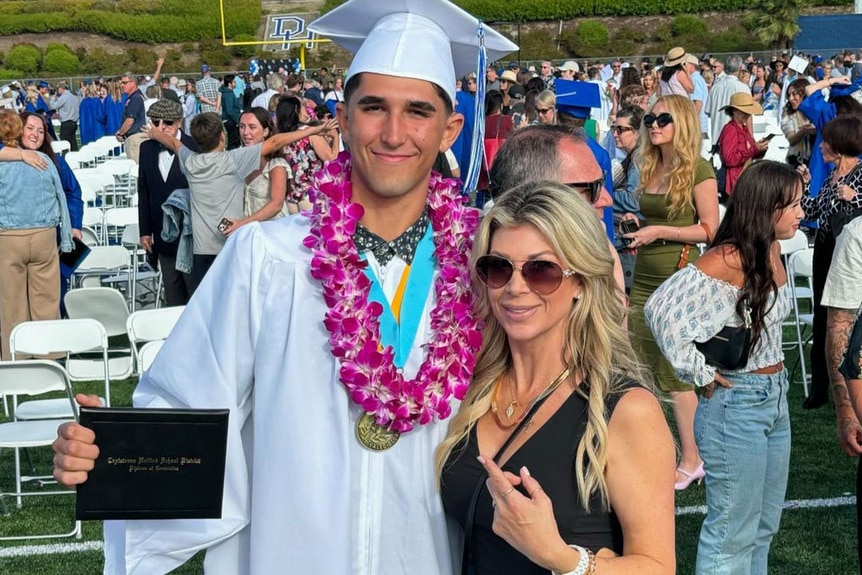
628	227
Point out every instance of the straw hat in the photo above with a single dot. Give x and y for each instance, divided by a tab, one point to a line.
675	56
509	76
743	102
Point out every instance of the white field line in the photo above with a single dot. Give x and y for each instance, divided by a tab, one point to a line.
52	549
793	504
59	548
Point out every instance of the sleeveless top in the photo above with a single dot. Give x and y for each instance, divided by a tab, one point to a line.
257	192
672	86
550	456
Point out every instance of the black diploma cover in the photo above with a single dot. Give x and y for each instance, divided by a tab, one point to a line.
155	464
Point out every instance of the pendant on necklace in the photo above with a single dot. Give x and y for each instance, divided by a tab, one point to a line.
511	410
374	436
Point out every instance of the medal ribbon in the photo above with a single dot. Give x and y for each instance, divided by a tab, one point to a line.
398	325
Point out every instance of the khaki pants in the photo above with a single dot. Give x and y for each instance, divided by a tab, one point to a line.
29	279
133	145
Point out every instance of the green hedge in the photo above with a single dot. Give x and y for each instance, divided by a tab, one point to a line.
530	10
62	62
148	21
24	57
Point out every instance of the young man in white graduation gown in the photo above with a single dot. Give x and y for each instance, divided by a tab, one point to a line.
317	480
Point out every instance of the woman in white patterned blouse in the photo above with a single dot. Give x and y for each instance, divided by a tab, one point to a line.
742	427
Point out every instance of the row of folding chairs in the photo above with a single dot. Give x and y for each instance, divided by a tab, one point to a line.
35	421
117	257
110	184
95	153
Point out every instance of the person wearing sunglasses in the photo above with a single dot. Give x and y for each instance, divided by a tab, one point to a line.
558	395
679	203
546	108
159	174
626	181
742	417
556	153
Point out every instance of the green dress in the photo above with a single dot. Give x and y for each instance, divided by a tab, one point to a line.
654	264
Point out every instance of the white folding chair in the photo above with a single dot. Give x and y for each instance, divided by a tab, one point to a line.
72	336
800	266
115	220
143	274
31	378
94	219
60	147
148	354
89	236
149	325
103	261
111	145
104	304
76	160
125	172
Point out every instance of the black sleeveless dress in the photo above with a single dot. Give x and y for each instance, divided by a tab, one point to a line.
549	454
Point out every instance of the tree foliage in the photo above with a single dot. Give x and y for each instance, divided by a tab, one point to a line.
775	20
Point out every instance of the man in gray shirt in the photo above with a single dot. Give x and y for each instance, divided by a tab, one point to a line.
66	105
217	181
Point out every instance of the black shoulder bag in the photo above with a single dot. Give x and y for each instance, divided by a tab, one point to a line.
729	349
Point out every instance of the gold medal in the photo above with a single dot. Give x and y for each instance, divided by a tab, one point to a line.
374	436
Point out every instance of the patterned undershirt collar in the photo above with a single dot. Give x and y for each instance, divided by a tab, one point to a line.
404	246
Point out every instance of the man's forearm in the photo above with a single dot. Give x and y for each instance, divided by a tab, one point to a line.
839	325
125	127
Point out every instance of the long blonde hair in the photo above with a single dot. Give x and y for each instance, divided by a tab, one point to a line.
597	347
687	141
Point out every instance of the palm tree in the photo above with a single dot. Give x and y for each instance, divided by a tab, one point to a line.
776	20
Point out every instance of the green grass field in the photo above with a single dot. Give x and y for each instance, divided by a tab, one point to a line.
812	541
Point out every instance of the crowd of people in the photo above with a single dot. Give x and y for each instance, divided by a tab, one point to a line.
510	361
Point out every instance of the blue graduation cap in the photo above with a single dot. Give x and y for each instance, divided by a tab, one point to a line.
577	98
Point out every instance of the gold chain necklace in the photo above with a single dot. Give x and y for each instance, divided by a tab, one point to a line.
510	410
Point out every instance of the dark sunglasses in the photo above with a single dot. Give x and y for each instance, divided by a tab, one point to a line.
542	276
157	122
543	110
594	189
662	120
620	129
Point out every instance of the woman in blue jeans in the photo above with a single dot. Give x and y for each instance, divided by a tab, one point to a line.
742	427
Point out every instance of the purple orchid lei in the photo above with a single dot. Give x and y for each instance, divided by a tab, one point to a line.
353	322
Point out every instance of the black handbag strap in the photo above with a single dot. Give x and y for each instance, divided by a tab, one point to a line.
474	499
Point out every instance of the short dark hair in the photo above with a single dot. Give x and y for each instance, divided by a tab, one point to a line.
228	79
530	154
844	135
353	85
206	129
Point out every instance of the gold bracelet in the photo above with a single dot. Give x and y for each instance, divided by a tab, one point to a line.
591	563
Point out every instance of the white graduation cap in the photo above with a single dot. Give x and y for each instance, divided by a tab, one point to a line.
431	40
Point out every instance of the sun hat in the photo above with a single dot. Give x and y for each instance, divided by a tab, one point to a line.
509	76
675	56
744	102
